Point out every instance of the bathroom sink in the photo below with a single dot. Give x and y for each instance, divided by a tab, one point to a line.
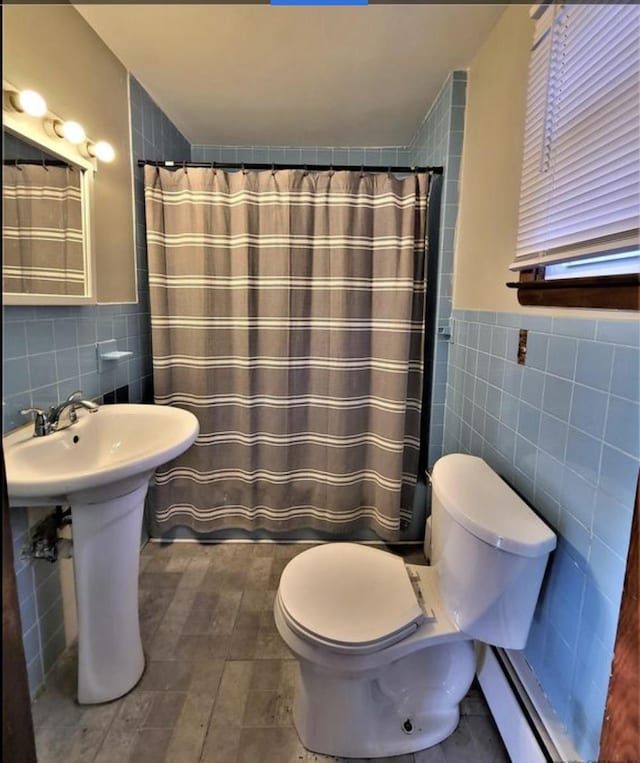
103	455
101	466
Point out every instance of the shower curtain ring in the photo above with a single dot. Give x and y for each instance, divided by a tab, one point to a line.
273	170
18	167
44	164
214	168
244	172
361	170
184	167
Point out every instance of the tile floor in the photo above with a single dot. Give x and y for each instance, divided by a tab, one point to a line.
218	686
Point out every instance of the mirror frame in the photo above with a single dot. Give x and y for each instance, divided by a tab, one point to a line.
31	130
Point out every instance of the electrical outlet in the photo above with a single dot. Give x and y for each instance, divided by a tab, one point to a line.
522	347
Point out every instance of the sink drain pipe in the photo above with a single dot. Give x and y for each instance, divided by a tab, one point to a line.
44	541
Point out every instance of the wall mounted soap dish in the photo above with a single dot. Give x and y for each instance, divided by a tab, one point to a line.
108	352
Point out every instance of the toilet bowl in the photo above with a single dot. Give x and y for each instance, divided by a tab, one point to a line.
385	648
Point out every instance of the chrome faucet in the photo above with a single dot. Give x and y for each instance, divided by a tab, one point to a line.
42	425
48	421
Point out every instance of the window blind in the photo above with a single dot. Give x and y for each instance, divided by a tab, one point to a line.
580	188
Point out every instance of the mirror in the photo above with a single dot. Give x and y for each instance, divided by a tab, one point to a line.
45	231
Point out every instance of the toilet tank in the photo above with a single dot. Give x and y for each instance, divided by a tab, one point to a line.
489	550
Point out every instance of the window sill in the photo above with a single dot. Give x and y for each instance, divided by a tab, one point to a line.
605	292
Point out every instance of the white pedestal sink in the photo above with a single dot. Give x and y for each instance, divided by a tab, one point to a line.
101	467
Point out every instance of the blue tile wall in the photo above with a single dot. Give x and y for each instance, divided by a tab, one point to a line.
14	148
40	602
564	430
438	142
387	156
153	137
49	352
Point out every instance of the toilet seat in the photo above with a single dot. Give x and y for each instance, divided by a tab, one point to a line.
349	598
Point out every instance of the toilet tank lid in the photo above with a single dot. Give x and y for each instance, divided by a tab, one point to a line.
479	500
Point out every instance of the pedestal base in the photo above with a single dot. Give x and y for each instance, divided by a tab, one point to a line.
106	541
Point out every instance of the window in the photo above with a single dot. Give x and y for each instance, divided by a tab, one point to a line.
606	265
578	237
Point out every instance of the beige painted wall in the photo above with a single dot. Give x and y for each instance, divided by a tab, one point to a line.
490	173
51	49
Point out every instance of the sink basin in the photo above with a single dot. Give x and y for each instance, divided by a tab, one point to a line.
101	467
99	457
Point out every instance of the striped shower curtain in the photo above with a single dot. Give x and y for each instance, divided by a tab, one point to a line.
43	251
287	314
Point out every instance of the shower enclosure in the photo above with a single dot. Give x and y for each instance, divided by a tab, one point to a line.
288	314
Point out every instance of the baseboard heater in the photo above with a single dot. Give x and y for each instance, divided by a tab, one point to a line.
528	726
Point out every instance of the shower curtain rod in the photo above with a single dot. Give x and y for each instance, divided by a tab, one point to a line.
311	167
36	162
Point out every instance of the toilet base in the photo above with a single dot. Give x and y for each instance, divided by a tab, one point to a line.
404	707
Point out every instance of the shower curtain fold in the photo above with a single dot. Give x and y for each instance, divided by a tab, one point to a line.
287	314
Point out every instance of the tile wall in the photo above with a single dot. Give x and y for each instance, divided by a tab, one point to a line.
48	352
153	137
14	148
438	142
41	607
564	431
388	156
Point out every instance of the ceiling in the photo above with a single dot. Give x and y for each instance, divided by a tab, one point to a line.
293	76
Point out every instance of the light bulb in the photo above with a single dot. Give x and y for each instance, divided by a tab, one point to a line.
73	132
31	103
102	151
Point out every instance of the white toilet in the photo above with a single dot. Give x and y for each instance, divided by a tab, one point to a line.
386	648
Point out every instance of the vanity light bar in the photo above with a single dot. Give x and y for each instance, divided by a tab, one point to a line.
101	150
73	132
29	102
32	103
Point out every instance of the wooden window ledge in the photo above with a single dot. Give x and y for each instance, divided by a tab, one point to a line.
619	292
